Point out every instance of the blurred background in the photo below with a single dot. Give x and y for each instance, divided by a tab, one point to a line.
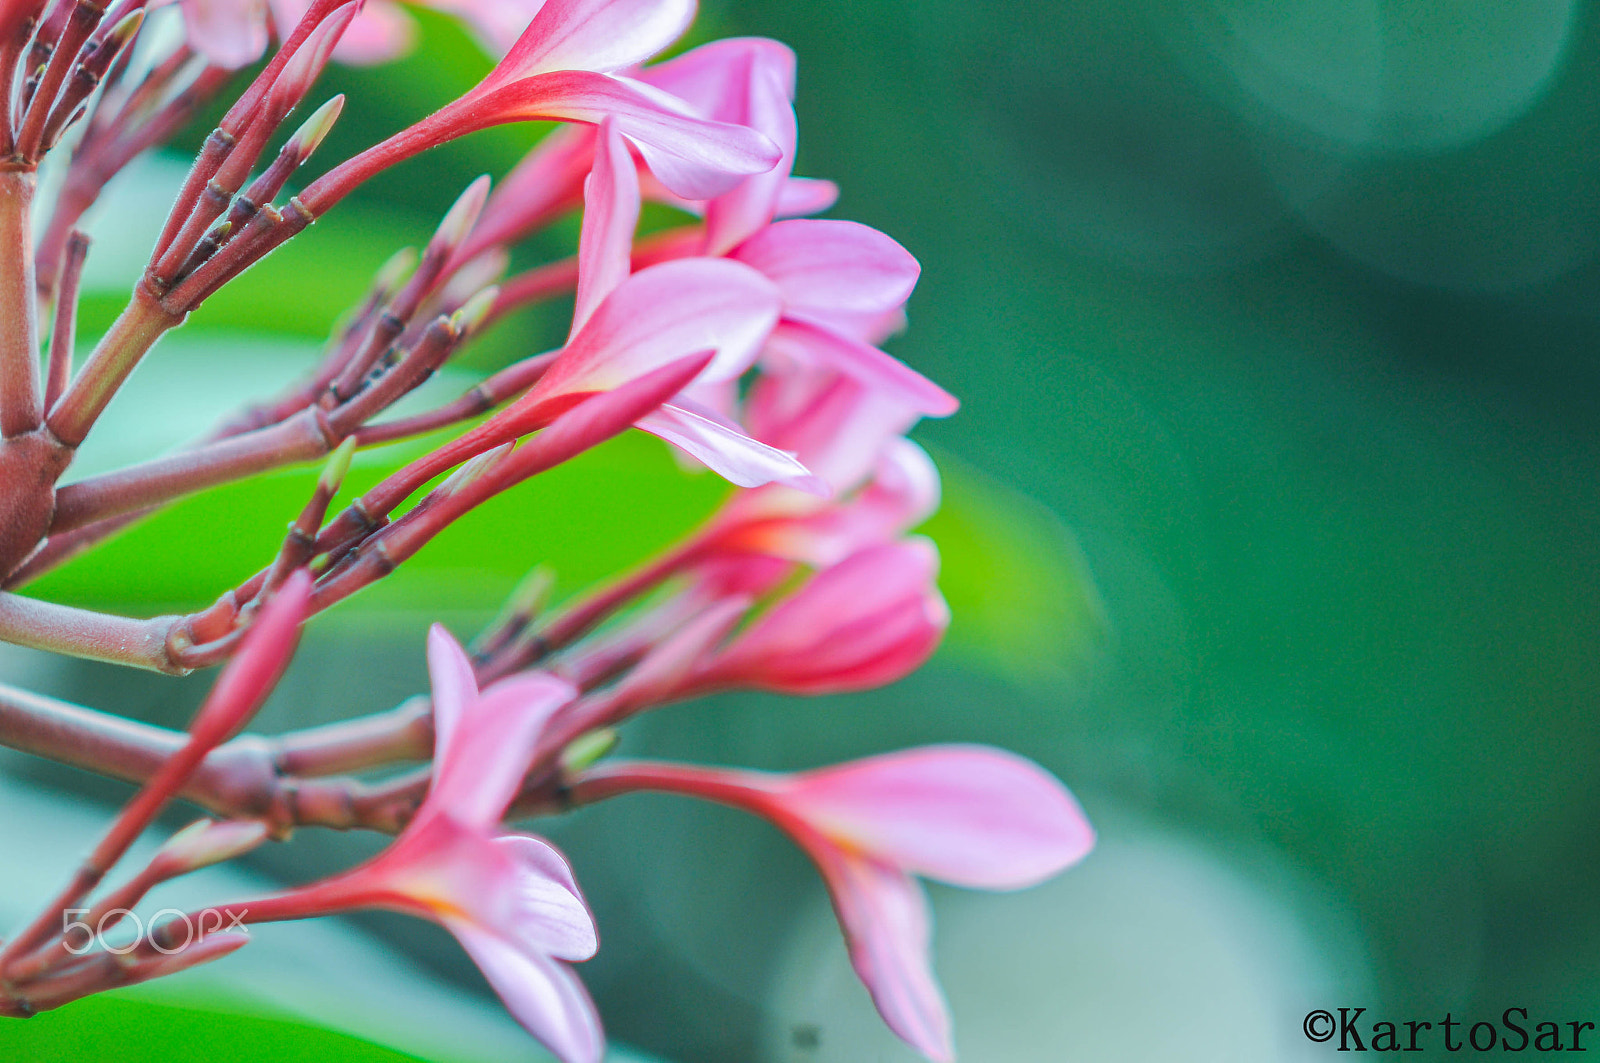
1271	528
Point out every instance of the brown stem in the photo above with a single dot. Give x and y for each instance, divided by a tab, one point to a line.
302	438
81	633
19	340
63	331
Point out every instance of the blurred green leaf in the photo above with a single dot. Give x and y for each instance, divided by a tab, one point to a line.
135	1031
1018	584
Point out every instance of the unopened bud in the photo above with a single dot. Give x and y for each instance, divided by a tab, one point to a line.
473	469
333	473
392	272
475	310
313	130
207	842
460	219
589	749
180	957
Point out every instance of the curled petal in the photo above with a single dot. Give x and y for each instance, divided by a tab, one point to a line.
729	452
454	687
611	212
492	746
884	915
816	344
553	917
542	994
868	620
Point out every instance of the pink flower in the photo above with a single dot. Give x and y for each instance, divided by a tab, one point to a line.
716	80
233	33
967	815
510	899
868	620
563	68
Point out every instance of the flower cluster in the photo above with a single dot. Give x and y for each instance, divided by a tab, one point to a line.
748	338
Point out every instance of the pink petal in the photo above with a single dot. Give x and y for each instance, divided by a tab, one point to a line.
611	212
806	195
810	342
542	994
823	266
730	453
229	33
745	209
969	815
661	314
380	33
498	22
454	687
552	916
868	620
835	424
712	77
694	157
884	915
492	746
599	35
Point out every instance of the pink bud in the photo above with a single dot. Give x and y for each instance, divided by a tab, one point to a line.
866	621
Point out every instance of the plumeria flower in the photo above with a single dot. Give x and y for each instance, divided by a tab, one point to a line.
565	67
968	815
715	80
510	899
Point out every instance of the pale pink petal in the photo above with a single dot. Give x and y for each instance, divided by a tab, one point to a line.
806	195
661	314
611	212
498	22
969	815
824	266
808	341
737	214
884	915
552	916
492	747
729	452
599	35
229	33
382	32
694	157
712	77
836	425
542	994
454	687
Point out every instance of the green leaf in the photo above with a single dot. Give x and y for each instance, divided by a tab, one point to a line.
1020	592
136	1031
